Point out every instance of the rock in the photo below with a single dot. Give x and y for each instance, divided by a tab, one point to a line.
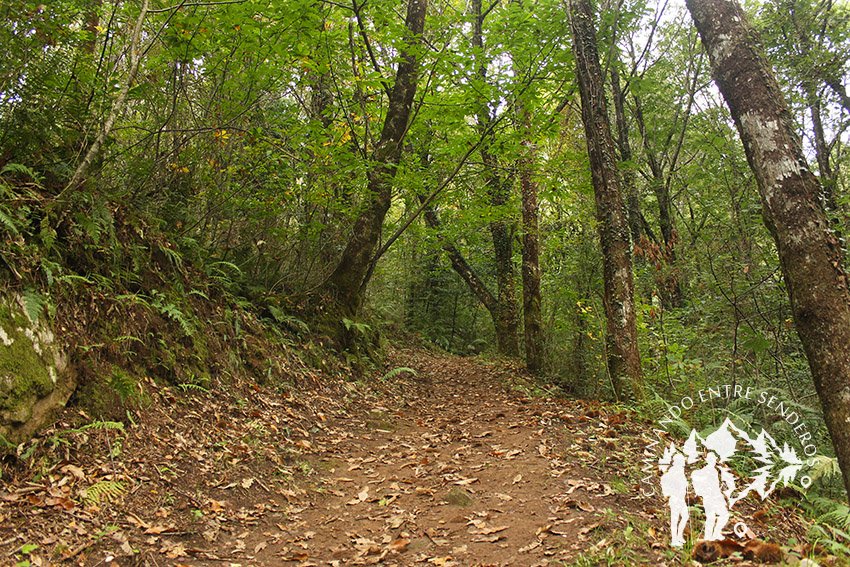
458	497
35	380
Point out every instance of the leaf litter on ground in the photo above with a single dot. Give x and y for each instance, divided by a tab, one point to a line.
454	464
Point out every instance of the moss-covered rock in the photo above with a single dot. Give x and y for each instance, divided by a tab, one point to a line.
35	379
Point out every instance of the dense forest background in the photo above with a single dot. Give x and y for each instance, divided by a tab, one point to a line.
366	170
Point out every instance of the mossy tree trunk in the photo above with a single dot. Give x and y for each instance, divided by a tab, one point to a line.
501	229
346	284
811	257
623	358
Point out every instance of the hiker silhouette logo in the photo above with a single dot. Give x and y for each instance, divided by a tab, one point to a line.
702	466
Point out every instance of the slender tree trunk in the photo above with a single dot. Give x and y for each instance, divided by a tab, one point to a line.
507	320
828	177
811	258
623	356
629	185
671	291
116	110
461	266
531	303
344	284
532	317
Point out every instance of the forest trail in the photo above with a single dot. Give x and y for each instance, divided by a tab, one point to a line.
462	471
455	465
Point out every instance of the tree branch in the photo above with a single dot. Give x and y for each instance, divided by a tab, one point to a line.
117	108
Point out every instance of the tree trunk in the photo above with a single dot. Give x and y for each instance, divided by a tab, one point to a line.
629	185
671	292
133	52
460	265
828	177
531	304
811	258
507	316
623	357
344	284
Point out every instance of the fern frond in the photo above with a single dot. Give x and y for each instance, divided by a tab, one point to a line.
173	256
33	303
7	221
288	320
186	386
103	425
397	371
107	490
21	169
123	385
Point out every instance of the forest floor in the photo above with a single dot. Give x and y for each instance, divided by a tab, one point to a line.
455	465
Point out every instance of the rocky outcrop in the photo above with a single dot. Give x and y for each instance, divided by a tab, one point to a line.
35	380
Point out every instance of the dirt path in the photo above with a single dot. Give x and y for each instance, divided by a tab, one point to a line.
450	466
458	470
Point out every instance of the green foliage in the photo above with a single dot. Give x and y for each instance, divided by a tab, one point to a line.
359	327
123	384
167	308
104	491
398	372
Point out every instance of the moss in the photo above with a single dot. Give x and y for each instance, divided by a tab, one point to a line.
24	375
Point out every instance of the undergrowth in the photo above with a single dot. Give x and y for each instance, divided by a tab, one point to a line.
134	301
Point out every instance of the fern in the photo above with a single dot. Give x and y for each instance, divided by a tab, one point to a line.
397	371
123	385
75	278
7	221
100	425
33	303
824	466
50	269
173	256
175	314
171	311
19	169
831	512
288	320
107	490
199	293
186	386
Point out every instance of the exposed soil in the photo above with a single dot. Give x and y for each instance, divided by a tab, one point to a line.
454	465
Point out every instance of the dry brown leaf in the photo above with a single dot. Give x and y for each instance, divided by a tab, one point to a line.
155	530
529	547
487	538
74	471
488	531
399	545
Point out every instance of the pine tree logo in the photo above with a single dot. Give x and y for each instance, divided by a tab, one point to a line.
706	463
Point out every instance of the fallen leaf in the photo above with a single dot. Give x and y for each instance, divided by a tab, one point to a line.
529	547
154	530
74	471
399	545
488	531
